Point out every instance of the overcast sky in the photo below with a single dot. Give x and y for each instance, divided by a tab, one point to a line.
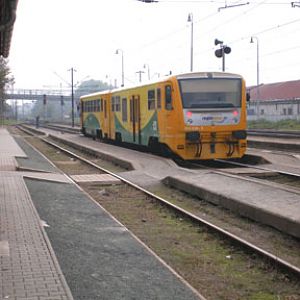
52	36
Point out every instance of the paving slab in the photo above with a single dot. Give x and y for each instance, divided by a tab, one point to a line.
8	163
8	146
29	269
99	178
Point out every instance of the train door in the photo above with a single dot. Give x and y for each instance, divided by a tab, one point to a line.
81	111
106	119
166	116
135	119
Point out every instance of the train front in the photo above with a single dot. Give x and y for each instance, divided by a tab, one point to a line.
214	115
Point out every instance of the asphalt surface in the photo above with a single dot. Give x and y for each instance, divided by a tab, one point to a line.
34	160
99	257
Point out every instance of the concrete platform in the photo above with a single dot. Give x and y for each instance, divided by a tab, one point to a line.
98	178
262	203
274	143
56	243
29	268
266	204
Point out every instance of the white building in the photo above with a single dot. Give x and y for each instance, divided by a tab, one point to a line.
275	101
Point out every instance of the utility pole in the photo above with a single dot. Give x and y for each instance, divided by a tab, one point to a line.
122	52
72	93
140	75
190	19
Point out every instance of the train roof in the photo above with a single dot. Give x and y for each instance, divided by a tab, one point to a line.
166	78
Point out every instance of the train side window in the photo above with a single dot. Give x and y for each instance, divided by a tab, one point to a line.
101	104
124	109
158	95
98	105
131	110
168	97
105	109
118	103
113	104
151	99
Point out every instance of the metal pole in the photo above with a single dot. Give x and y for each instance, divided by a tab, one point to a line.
117	52
190	19
122	69
223	58
192	44
140	75
257	71
257	67
72	85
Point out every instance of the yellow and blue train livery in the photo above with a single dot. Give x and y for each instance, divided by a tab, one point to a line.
194	115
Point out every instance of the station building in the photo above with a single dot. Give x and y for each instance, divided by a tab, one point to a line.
275	101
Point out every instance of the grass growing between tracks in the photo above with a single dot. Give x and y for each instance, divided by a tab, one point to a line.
283	124
209	263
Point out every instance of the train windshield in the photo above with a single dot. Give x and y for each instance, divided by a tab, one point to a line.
211	92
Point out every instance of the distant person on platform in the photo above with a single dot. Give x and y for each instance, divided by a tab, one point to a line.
37	121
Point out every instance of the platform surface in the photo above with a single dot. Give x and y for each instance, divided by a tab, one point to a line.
264	203
57	244
29	268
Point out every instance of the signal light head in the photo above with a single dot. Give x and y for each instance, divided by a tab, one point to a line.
227	50
219	53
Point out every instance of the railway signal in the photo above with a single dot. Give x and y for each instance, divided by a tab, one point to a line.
221	52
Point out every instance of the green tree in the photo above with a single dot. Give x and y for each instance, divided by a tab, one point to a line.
91	86
5	80
53	111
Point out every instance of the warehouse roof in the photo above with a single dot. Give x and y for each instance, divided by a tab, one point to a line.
287	90
7	19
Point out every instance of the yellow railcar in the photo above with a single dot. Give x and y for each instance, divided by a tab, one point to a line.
194	115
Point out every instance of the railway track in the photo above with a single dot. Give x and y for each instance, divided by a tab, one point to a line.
234	239
281	179
292	134
272	174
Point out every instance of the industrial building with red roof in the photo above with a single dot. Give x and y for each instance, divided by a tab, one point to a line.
275	101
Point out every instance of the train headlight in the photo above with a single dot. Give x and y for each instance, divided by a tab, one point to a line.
189	114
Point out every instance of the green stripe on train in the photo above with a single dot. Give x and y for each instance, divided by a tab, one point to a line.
91	121
151	129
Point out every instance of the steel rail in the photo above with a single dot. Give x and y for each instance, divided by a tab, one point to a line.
256	167
277	260
281	263
289	134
